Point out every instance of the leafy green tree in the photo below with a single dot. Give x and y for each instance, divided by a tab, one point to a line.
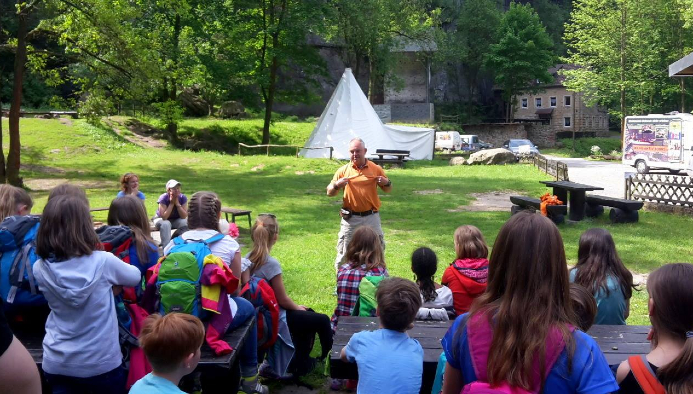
522	54
368	31
270	37
623	49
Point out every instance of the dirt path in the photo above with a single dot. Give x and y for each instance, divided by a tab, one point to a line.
139	133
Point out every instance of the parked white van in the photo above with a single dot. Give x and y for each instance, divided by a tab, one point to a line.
448	140
659	141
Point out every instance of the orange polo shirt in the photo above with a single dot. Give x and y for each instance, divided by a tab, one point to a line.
361	193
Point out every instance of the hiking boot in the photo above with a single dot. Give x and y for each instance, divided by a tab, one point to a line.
252	385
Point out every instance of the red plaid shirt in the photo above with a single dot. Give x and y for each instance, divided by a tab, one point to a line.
348	280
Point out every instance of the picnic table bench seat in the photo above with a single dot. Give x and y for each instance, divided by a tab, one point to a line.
394	156
220	374
622	210
555	212
616	342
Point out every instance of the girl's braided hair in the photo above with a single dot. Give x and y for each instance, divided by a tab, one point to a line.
204	210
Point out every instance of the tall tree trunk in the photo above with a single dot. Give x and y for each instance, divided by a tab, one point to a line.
13	158
376	90
269	100
172	126
623	69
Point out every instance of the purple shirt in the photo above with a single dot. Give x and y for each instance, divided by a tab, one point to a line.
166	200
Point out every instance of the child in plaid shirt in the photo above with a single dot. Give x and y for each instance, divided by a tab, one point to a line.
364	258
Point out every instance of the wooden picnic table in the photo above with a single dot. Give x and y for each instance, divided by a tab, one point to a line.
219	373
616	342
576	206
236	212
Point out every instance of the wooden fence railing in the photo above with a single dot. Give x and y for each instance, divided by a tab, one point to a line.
667	189
554	168
267	146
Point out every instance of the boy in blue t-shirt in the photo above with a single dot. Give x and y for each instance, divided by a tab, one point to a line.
388	360
172	346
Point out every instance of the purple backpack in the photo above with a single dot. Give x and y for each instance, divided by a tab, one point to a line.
480	336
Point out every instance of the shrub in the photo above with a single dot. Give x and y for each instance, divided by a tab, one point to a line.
583	146
95	107
596	150
449	127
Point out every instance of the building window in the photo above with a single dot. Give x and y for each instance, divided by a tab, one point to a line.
553	101
537	102
566	121
524	102
566	101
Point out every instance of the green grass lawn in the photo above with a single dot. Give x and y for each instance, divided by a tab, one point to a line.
423	209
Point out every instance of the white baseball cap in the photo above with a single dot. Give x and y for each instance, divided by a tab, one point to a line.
171	184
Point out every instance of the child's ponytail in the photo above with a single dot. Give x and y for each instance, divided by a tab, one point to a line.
263	232
672	296
424	264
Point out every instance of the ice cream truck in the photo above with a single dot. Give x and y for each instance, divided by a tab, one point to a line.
659	142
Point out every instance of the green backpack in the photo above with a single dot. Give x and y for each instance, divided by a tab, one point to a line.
367	304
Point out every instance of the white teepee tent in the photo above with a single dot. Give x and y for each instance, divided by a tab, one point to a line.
348	115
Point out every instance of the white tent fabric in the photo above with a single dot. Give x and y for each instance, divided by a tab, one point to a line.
348	115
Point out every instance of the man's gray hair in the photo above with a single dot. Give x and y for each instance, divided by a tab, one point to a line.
363	144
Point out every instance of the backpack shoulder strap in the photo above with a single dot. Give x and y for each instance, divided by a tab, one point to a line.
178	241
479	338
644	375
214	238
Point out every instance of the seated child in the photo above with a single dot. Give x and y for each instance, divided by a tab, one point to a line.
669	307
437	299
172	346
601	271
584	306
388	360
364	258
467	275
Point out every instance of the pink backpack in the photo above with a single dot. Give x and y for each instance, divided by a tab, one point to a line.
480	336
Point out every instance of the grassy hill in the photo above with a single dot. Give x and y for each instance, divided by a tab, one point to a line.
427	203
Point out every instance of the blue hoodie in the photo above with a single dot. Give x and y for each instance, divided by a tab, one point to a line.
82	329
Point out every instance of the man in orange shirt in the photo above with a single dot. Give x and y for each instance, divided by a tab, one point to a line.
360	179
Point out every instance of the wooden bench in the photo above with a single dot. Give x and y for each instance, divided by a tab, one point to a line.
622	210
428	333
219	374
555	212
616	342
394	156
236	212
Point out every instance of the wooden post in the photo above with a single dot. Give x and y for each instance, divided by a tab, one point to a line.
331	149
267	149
296	150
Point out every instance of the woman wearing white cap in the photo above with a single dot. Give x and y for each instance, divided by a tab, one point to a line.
172	212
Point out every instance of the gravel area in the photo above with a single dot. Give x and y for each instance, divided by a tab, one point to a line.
606	174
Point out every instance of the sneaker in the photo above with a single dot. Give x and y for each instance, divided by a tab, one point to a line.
252	386
337	384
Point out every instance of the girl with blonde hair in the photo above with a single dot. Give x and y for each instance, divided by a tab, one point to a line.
467	275
14	201
303	322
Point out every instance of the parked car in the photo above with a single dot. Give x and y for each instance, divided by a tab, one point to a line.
521	147
485	145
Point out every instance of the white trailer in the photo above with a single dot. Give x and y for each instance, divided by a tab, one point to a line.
448	141
659	142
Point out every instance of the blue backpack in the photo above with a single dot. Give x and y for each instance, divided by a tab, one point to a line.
178	281
18	286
